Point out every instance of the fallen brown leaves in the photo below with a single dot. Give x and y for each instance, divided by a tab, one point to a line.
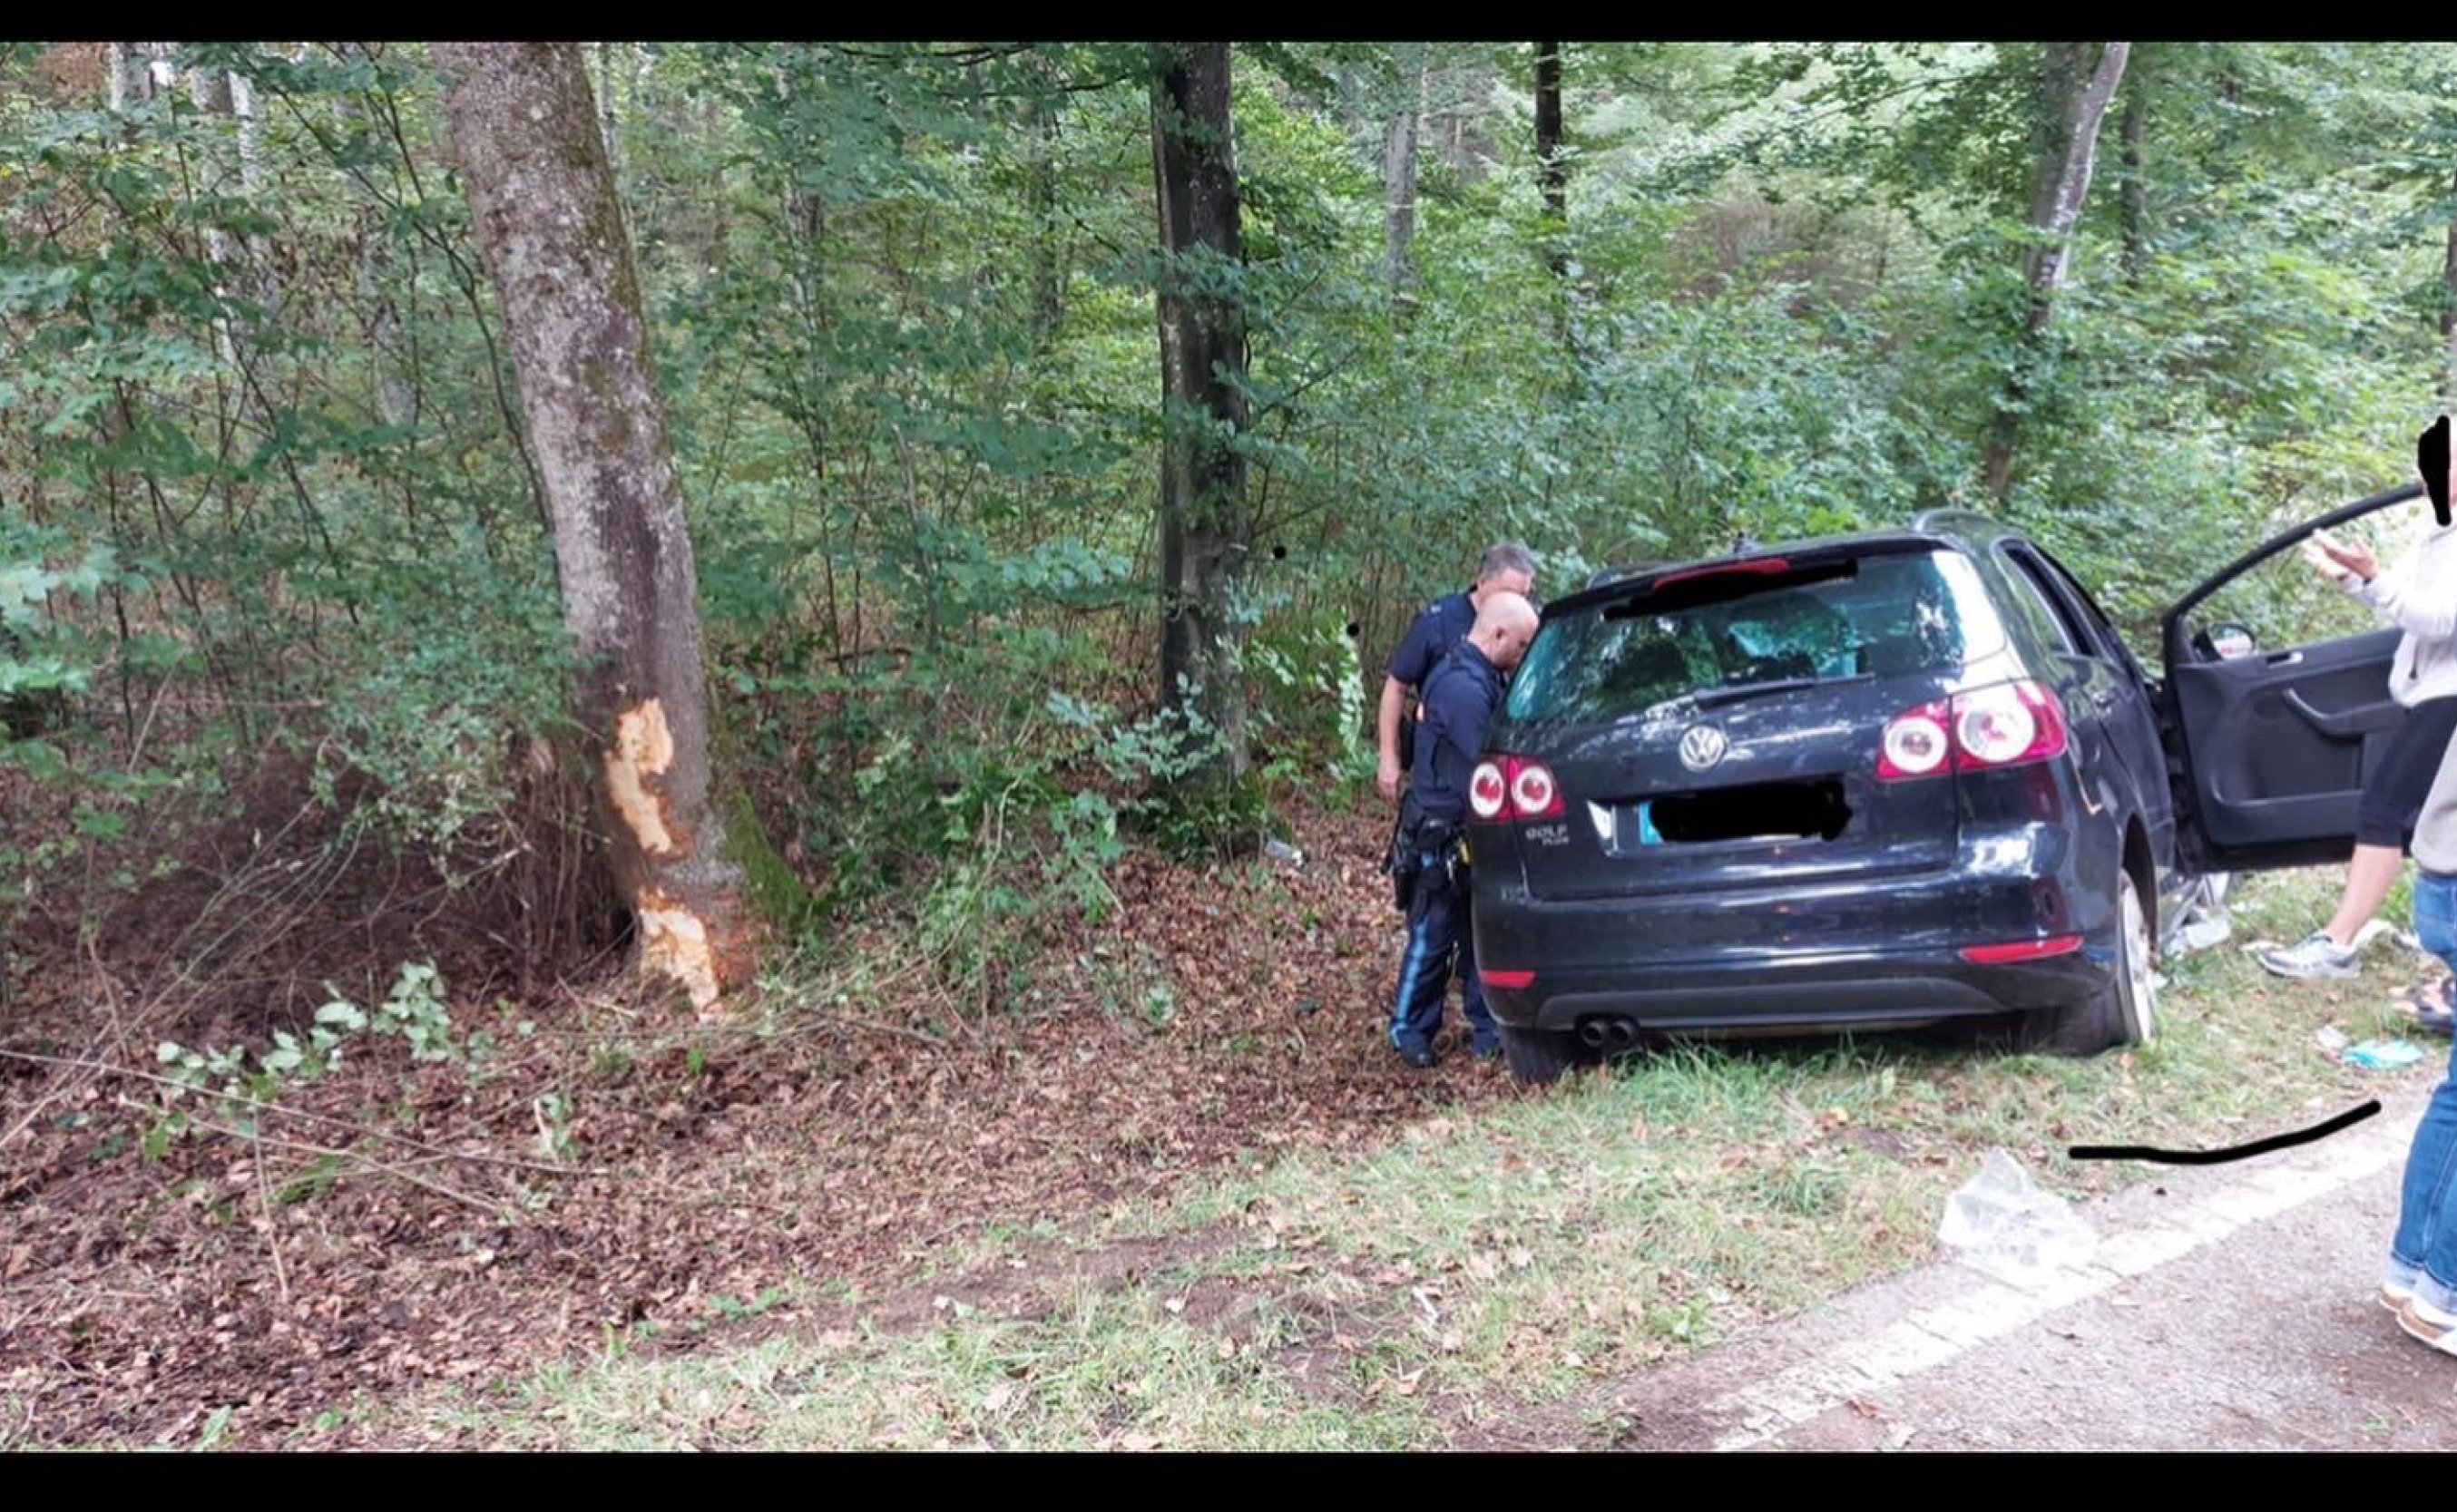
138	1297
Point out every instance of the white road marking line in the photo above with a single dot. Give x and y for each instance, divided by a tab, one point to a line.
1935	1336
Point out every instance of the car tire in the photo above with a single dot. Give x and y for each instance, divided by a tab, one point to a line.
1540	1055
2122	1015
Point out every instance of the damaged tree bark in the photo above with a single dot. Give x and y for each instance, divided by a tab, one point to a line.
541	196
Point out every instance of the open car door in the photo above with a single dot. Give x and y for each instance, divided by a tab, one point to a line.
2269	746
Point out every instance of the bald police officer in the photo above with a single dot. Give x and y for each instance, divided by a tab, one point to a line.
1507	568
1460	703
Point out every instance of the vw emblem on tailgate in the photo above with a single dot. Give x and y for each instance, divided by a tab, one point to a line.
1701	746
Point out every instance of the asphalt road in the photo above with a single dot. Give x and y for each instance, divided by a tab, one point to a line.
2221	1307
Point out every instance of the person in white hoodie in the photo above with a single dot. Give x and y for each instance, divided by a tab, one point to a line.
2421	1281
2419	595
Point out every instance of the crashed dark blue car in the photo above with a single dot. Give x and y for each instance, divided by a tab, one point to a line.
1887	781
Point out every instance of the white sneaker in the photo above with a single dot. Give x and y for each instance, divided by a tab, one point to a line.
2314	956
2429	1324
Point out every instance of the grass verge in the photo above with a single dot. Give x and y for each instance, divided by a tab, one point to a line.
1471	1265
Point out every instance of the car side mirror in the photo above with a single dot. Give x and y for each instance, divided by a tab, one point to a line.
2229	639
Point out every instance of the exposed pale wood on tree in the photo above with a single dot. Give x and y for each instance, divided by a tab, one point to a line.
525	130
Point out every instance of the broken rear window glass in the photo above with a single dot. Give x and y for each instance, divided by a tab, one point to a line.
1881	615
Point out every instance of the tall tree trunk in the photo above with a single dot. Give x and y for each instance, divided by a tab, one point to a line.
1203	528
209	90
541	197
2073	101
1348	101
1048	243
602	56
130	75
1400	172
264	276
2449	307
117	69
2064	178
2136	201
251	131
397	398
806	217
1552	173
2230	86
1553	179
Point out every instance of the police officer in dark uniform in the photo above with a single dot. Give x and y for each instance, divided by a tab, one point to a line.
1460	703
1436	630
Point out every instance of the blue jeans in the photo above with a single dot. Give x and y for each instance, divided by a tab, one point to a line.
2423	1257
1441	937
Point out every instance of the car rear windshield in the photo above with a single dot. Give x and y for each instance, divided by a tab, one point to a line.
1878	615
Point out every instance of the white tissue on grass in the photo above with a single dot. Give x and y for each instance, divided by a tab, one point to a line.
2002	1225
2206	918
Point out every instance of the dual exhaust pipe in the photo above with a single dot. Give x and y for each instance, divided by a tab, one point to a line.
1608	1034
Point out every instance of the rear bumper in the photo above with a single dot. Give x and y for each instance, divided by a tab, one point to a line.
1875	989
1876	952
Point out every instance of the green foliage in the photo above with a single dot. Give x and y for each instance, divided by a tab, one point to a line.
734	1310
415	1011
775	891
235	1092
1131	984
264	504
221	562
1310	689
554	1126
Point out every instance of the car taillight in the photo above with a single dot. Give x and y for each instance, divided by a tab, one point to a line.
1915	743
1533	792
1989	728
2017	722
1488	791
1513	788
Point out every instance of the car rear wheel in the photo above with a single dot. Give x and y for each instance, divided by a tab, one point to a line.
1539	1056
2126	1012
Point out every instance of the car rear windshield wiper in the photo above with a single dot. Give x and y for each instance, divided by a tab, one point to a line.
1714	696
